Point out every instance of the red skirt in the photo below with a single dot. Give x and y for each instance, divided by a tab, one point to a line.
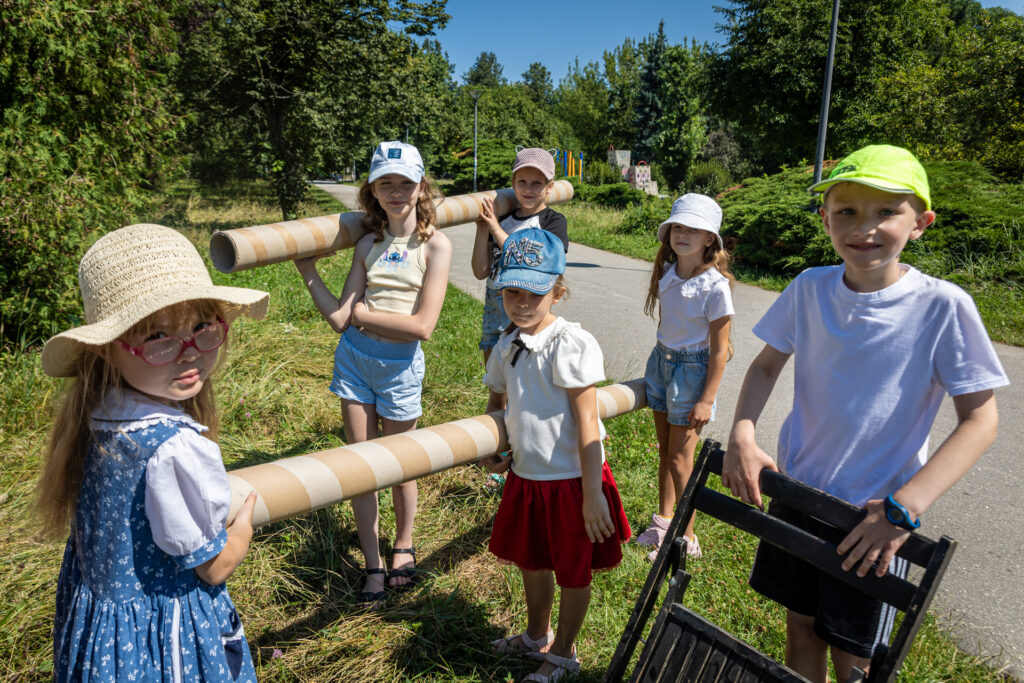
539	527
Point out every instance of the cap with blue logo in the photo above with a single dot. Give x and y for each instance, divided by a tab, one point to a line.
396	157
531	259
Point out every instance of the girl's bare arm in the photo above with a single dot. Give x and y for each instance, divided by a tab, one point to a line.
596	516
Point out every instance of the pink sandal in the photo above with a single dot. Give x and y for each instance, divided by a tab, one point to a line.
533	648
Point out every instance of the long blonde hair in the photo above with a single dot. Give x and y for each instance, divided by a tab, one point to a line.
71	436
375	219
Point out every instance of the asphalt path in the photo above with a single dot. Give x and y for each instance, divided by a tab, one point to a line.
981	597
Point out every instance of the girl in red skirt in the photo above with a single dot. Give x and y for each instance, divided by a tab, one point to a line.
560	516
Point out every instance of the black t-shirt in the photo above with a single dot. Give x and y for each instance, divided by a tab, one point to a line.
546	219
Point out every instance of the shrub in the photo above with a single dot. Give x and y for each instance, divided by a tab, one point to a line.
644	217
494	166
709	177
614	196
600	173
769	217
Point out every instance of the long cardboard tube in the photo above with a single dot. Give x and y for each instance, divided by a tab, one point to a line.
261	245
303	483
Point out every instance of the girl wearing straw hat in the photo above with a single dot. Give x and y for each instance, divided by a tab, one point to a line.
138	476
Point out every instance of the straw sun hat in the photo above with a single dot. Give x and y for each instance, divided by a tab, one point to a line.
131	273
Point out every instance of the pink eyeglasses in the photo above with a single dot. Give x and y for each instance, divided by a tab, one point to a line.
169	349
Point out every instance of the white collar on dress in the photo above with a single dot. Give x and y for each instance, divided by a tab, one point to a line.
128	409
536	342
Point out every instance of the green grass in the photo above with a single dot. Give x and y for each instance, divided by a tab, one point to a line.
295	591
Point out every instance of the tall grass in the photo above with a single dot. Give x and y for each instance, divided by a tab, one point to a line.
296	590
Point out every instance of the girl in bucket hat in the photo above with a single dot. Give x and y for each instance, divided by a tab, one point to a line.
141	592
691	290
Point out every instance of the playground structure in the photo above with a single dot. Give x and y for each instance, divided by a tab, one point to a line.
261	245
569	163
637	175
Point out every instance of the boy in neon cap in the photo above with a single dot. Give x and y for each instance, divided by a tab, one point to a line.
876	345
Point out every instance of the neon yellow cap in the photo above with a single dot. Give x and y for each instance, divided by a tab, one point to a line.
884	167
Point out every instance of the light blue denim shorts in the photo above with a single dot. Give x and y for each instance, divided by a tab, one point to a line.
495	320
382	374
675	381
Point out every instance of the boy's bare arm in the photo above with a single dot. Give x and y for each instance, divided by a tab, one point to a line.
744	460
486	224
874	541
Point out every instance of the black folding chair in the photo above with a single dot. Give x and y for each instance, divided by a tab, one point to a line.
683	646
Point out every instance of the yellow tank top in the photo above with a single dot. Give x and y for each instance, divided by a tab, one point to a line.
395	268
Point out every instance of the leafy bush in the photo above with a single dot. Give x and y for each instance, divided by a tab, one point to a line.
709	177
644	217
614	196
494	166
769	217
600	173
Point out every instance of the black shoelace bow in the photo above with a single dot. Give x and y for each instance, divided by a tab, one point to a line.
520	347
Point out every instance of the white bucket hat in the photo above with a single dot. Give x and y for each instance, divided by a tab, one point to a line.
131	273
396	157
695	211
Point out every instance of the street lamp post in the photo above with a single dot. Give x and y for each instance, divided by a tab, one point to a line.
475	94
819	154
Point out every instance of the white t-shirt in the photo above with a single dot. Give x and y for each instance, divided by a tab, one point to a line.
187	492
871	370
542	429
688	306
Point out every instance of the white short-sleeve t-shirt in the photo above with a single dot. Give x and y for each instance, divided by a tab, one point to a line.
871	370
542	429
688	306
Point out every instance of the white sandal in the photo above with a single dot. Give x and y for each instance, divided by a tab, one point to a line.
533	647
563	665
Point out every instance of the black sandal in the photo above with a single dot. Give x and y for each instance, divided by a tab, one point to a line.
411	573
373	600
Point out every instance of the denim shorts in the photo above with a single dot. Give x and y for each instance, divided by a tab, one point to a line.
382	374
495	320
675	381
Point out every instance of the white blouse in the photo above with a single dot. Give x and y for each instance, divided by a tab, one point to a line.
187	493
689	306
542	429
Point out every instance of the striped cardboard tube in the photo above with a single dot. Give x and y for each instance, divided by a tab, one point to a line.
261	245
298	485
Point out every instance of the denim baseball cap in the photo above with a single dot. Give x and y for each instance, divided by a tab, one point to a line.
883	167
531	259
396	157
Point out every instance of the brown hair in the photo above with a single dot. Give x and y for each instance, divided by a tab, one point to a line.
71	436
559	285
714	256
376	219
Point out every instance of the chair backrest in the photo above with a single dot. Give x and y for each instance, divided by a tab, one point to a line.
839	517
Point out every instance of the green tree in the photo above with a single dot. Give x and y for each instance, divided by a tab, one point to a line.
622	69
486	72
682	127
649	103
581	103
768	78
300	87
537	81
87	124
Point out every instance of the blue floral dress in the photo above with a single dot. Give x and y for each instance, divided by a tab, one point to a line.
152	506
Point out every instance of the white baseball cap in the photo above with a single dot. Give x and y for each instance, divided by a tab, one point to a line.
396	157
695	211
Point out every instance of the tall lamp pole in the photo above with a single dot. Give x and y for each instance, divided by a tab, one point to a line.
819	155
475	94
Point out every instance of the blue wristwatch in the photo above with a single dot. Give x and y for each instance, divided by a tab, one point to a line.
898	515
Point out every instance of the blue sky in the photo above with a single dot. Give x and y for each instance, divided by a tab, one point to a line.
555	32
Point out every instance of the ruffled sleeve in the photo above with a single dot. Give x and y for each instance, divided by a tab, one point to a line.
577	360
188	498
494	374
